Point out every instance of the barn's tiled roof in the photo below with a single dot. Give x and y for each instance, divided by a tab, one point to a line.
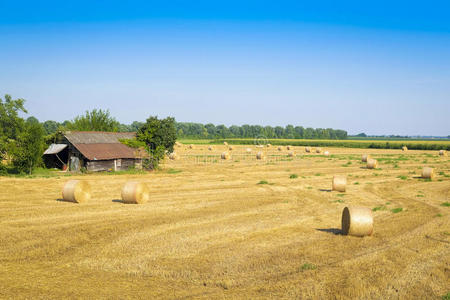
97	137
105	151
96	145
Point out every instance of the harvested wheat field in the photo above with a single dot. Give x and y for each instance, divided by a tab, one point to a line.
239	228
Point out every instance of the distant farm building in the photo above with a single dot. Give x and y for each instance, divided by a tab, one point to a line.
94	151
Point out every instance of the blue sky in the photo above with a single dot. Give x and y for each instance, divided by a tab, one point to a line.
378	68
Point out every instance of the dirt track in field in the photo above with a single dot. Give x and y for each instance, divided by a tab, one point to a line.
211	231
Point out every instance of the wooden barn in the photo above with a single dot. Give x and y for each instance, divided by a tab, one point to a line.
94	151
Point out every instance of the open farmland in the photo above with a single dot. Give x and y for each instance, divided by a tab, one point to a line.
240	228
429	144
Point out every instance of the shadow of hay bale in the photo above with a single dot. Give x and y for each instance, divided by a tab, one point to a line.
66	201
335	231
118	201
325	190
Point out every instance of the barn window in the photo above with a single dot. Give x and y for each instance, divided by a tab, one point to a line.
119	162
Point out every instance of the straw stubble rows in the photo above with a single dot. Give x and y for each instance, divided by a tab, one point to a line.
211	230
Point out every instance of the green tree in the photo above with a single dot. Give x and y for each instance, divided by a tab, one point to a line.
125	128
27	150
299	132
279	132
11	125
32	120
289	132
50	126
95	120
159	136
308	133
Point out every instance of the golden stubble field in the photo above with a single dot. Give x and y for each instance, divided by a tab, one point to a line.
211	231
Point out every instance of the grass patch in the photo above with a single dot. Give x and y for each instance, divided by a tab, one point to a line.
446	296
307	266
425	179
446	204
37	173
402	177
347	164
124	172
439	215
419	195
397	210
356	183
340	195
263	182
379	208
43	172
339	201
387	203
317	174
293	176
173	171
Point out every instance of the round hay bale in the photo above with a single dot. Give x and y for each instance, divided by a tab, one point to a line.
260	155
372	163
210	148
230	148
248	150
291	153
135	192
225	143
339	183
173	156
77	191
191	146
357	221
365	157
269	145
318	150
280	149
308	149
326	153
225	156
404	148
288	147
442	153
427	173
